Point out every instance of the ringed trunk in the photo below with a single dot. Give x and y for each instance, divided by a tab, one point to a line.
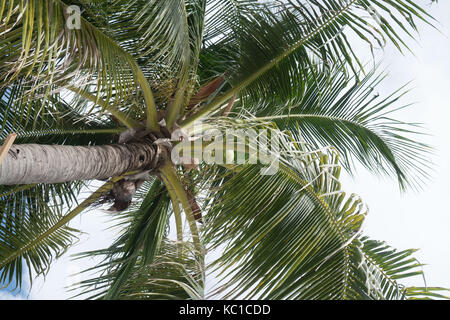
35	163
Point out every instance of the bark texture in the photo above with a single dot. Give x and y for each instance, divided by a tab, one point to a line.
34	163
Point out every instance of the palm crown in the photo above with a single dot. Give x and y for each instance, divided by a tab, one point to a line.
99	99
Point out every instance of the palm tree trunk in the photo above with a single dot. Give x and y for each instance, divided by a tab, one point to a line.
34	163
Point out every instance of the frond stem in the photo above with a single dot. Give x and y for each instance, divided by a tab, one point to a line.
172	177
122	117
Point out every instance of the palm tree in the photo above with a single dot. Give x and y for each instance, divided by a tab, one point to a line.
100	97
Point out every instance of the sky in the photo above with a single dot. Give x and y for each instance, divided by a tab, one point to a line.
417	219
413	219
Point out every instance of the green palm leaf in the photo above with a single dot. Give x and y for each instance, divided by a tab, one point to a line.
168	276
282	41
303	241
143	263
37	240
353	119
59	54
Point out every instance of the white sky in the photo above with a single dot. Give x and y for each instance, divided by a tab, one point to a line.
417	219
412	220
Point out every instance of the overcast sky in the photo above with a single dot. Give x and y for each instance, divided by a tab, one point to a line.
417	219
411	220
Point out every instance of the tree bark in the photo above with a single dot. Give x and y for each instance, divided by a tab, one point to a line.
34	163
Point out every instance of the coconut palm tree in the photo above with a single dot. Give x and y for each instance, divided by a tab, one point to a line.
97	90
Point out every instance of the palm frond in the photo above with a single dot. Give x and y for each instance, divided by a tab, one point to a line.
303	241
282	41
143	263
37	240
44	52
168	276
60	120
351	117
141	239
